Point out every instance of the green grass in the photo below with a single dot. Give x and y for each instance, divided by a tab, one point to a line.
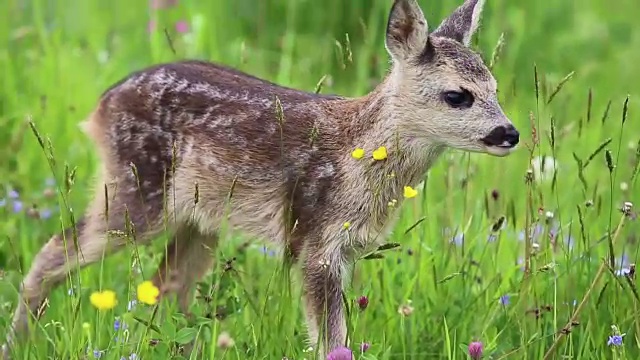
56	57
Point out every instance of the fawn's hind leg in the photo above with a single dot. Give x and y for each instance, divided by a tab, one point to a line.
97	236
187	259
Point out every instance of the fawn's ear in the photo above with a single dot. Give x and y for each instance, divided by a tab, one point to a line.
407	31
462	23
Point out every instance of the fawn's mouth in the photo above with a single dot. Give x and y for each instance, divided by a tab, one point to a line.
503	149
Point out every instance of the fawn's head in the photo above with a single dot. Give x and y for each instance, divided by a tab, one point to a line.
441	90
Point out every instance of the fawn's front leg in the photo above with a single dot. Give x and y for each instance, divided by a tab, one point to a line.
323	274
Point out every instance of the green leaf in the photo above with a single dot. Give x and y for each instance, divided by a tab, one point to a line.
186	335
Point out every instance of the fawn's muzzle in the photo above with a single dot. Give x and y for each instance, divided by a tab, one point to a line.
502	136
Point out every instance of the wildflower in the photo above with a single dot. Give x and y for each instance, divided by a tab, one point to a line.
117	324
148	293
615	340
346	225
458	239
340	353
45	214
364	346
380	153
475	350
97	354
17	206
410	192
265	250
363	302
103	300
358	153
543	167
405	309
625	266
49	193
182	26
225	341
13	194
504	300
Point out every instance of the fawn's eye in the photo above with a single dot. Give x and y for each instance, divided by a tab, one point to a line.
458	99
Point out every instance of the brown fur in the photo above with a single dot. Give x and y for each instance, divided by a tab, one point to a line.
172	131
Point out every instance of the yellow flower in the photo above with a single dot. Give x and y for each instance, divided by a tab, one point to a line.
410	192
358	153
380	153
103	300
346	225
148	293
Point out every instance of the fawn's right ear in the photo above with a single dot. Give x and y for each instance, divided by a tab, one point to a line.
407	31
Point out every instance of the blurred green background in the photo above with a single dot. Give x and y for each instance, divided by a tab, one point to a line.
58	56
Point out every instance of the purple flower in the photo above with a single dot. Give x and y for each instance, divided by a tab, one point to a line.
17	206
475	350
45	213
269	252
504	300
363	302
364	346
182	26
117	325
615	340
13	194
458	239
340	353
97	354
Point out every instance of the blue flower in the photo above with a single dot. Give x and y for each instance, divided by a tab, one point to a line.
265	250
97	354
117	324
13	194
17	206
45	213
505	299
615	340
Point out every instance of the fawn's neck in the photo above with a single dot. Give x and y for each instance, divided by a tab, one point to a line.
372	123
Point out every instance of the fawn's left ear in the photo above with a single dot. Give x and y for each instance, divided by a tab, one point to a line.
462	23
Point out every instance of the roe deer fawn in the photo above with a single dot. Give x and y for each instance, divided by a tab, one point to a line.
174	129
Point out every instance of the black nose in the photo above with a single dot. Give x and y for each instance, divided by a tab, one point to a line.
503	136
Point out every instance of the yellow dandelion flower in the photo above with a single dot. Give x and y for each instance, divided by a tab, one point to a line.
380	153
148	293
410	192
346	225
103	300
358	153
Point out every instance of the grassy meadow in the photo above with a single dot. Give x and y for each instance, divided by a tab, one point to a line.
532	255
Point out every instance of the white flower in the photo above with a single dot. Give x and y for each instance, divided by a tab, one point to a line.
542	173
